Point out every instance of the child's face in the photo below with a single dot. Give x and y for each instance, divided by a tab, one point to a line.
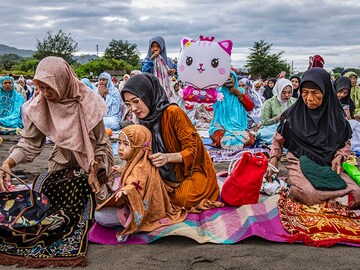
176	87
124	148
155	47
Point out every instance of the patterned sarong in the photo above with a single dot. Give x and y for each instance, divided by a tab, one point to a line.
320	225
61	238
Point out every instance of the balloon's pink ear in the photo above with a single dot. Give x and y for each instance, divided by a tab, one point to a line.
185	40
226	45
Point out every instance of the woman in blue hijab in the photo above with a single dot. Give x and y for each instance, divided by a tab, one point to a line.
10	106
89	84
111	96
228	128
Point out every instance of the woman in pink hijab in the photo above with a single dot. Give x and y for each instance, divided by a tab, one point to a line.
69	114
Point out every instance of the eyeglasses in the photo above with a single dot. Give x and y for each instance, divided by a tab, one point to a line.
135	101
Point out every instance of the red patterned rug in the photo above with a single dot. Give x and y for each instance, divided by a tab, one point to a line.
321	225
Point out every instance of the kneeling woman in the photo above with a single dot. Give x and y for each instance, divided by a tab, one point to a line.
179	152
228	128
315	129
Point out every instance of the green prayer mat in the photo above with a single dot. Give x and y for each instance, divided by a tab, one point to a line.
321	177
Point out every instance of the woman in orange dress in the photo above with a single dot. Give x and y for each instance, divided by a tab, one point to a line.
179	153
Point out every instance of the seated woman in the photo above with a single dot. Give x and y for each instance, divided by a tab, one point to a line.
295	80
273	108
268	92
254	116
179	153
141	203
355	93
342	87
111	95
228	128
89	84
10	106
315	128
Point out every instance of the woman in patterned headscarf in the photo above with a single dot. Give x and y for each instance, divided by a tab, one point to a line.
69	114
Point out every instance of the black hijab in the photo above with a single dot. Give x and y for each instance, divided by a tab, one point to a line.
268	92
147	87
344	82
317	133
295	91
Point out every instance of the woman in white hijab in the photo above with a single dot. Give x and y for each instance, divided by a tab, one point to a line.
273	108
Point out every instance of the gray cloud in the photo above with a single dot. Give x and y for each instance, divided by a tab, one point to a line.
300	28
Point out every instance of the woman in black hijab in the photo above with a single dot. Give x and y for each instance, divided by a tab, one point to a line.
178	151
268	92
342	87
295	81
315	127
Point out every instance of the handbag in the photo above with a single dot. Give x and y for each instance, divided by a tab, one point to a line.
245	178
21	210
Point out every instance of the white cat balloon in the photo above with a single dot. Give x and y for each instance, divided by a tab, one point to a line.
203	66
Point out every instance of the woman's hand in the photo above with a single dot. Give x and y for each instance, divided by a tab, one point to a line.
271	169
5	179
277	118
102	90
347	112
336	164
159	159
94	182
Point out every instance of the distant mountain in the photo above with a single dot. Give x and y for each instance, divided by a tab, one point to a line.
4	49
85	58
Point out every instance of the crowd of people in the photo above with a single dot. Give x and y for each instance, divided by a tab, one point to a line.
168	171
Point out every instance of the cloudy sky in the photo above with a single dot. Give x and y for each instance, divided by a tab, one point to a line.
300	28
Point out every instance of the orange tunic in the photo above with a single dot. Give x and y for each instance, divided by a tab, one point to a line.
180	136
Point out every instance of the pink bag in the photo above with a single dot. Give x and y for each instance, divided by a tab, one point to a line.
244	181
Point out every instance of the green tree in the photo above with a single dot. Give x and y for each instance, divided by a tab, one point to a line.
97	66
7	61
123	50
60	44
261	63
27	65
338	69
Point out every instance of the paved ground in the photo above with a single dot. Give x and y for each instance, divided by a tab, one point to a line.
182	253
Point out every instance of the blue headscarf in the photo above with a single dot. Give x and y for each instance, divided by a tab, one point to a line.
87	82
159	40
10	106
230	115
